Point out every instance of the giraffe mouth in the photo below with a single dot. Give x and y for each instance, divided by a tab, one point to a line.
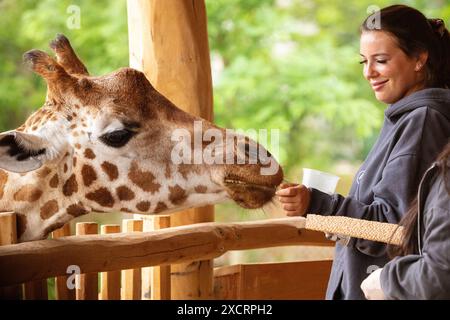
249	195
240	183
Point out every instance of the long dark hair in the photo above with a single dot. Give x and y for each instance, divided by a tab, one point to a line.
416	34
409	221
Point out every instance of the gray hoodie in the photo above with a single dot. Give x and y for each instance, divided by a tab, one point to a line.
415	130
425	276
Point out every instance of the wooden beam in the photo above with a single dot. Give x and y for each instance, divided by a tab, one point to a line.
95	253
169	43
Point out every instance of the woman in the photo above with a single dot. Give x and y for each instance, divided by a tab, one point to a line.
420	271
407	63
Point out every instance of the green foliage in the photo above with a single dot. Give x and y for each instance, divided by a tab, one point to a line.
293	65
101	41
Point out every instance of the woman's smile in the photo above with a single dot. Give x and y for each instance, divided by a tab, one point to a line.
378	85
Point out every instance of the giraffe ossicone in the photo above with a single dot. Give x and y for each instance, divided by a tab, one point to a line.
106	144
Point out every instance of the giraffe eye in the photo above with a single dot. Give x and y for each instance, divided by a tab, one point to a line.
118	138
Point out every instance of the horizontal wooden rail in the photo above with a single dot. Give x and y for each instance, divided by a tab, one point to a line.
98	253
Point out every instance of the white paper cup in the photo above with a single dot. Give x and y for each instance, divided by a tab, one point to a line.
323	181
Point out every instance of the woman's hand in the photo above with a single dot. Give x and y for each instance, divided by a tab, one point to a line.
294	199
371	286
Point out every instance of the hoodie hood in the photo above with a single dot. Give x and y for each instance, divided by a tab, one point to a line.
435	98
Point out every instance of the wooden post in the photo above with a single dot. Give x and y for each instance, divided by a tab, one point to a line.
61	290
169	43
88	289
110	281
131	278
8	235
161	275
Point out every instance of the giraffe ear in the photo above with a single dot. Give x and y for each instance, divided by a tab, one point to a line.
21	152
58	80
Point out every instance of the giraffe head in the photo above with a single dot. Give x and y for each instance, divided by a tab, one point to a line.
107	144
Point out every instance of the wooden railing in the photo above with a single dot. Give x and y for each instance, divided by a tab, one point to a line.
34	262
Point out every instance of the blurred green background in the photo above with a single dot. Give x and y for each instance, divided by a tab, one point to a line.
290	65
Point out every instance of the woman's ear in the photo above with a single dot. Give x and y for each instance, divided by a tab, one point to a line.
422	59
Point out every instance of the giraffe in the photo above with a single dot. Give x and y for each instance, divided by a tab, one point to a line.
104	143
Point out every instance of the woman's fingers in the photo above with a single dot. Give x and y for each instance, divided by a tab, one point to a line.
289	191
289	199
292	213
291	206
287	185
294	200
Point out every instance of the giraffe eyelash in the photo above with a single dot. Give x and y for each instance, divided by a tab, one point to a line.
117	138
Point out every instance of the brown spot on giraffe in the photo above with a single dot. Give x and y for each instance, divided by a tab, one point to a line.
21	224
76	210
54	181
42	173
126	210
201	189
161	206
177	195
74	161
49	209
185	169
65	167
28	193
71	186
88	174
102	196
143	206
124	193
89	154
77	146
3	180
143	179
73	126
111	170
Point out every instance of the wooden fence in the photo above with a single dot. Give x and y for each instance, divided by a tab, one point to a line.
117	264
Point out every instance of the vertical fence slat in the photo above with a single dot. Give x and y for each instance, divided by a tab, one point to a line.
8	235
62	292
131	278
161	275
88	289
146	272
36	290
110	281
